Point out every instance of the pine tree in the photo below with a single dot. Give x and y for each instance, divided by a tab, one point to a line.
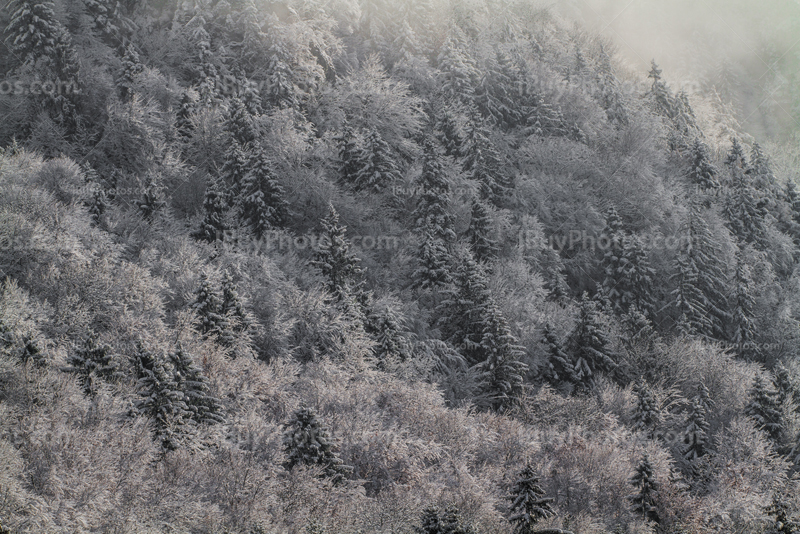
695	437
264	206
764	410
183	118
432	213
336	263
92	361
458	70
107	18
482	162
375	166
202	407
234	170
662	97
700	279
282	91
646	415
161	400
131	68
436	522
785	388
232	309
32	30
349	151
644	500
306	441
448	132
743	327
502	371
240	125
208	305
702	172
744	218
528	506
479	233
704	396
496	89
736	157
560	368
215	205
433	271
391	345
592	347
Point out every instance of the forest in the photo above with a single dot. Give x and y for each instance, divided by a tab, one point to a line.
384	266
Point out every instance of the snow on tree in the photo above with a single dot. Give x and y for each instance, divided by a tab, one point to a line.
433	271
458	71
306	441
235	168
592	347
646	414
448	131
161	400
132	67
183	118
435	521
386	325
662	97
702	172
240	124
560	368
482	162
528	504
744	218
431	213
643	501
208	306
736	157
202	406
764	410
496	90
479	233
32	30
240	323
91	361
216	204
786	390
263	202
742	304
780	512
375	168
502	370
695	437
349	151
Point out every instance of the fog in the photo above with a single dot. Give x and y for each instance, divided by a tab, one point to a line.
748	51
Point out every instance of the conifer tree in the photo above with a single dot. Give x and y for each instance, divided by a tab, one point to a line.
736	157
494	95
375	166
702	172
448	132
704	396
234	170
433	271
240	322
391	345
643	500
107	17
764	410
662	97
202	407
215	205
479	233
785	388
306	441
210	313
695	437
482	162
457	69
264	206
131	68
336	263
435	521
152	199
700	279
161	400
744	218
743	327
349	151
240	125
92	361
183	118
560	368
282	91
502	371
528	504
646	415
32	30
592	347
432	213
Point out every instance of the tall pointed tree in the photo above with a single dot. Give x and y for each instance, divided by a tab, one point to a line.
592	347
91	361
702	172
306	441
502	371
375	165
646	414
560	368
337	263
263	202
643	501
764	410
528	504
201	405
479	233
742	304
695	437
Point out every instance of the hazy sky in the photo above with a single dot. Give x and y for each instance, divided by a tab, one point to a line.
749	48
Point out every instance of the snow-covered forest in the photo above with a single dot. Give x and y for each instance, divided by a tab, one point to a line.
384	266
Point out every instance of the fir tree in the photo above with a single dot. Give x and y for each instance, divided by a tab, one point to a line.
457	69
743	328
744	218
736	157
29	351
448	132
234	170
528	504
161	400
240	125
202	407
432	213
644	500
211	317
264	206
591	346
704	396
479	233
695	437
152	199
92	361
700	279
336	263
391	345
785	388
702	172
306	441
764	410
183	118
32	30
233	310
349	151
282	92
433	271
559	365
435	521
502	371
646	415
482	162
131	68
215	205
375	166
662	97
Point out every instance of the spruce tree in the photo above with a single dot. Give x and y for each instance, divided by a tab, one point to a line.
695	437
742	325
240	125
736	157
433	271
744	218
646	415
662	98
704	396
211	317
479	233
375	166
32	30
203	408
183	118
306	441
92	361
216	204
337	264
448	131
502	371
435	521
349	151
592	348
391	345
431	212
234	170
161	400
785	388
702	172
131	68
528	504
764	410
457	69
240	323
560	368
482	162
263	203
643	501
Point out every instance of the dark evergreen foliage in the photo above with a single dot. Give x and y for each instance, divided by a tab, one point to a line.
695	437
306	441
337	264
643	501
263	199
591	346
560	368
764	410
203	408
647	414
92	361
528	504
479	233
